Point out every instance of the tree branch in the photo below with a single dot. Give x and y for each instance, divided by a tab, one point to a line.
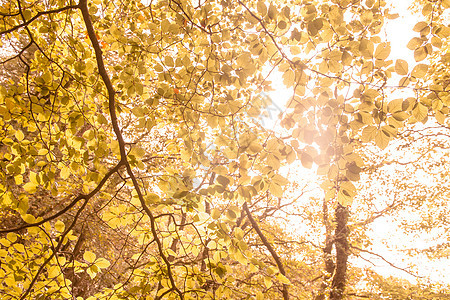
41	13
72	204
123	155
270	248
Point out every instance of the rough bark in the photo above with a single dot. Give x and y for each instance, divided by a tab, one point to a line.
341	244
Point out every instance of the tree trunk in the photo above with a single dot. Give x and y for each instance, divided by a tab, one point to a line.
341	244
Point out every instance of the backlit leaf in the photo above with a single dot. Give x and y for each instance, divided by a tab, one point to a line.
401	67
420	54
419	70
89	256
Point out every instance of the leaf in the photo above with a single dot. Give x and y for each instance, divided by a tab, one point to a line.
344	198
65	172
42	151
289	78
224	181
259	295
12	237
215	213
436	42
276	190
30	187
273	161
420	112
395	106
401	67
89	256
272	13
59	226
92	271
19	247
282	24
414	43
419	70
280	180
306	160
368	133
315	26
427	9
102	263
268	282
53	271
420	26
262	8
352	176
383	50
18	179
366	17
30	219
231	214
19	135
440	117
381	139
420	54
238	233
283	279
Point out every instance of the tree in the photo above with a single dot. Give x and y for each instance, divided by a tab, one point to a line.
133	166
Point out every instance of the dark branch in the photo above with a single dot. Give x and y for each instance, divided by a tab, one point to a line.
270	248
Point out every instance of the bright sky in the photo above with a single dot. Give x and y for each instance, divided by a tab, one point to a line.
399	32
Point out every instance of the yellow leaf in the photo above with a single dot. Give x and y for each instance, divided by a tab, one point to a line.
5	243
381	139
436	42
34	177
268	282
419	71
420	112
19	135
42	151
276	190
231	214
65	172
401	67
89	256
18	179
440	117
283	279
280	180
395	105
19	247
215	213
420	54
306	160
259	296
92	271
289	78
102	263
420	26
414	43
30	187
152	198
53	271
344	198
59	226
262	8
29	218
383	50
12	237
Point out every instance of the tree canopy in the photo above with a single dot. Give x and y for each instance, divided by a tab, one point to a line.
134	163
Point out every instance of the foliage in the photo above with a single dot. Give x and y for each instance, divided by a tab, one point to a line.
133	164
